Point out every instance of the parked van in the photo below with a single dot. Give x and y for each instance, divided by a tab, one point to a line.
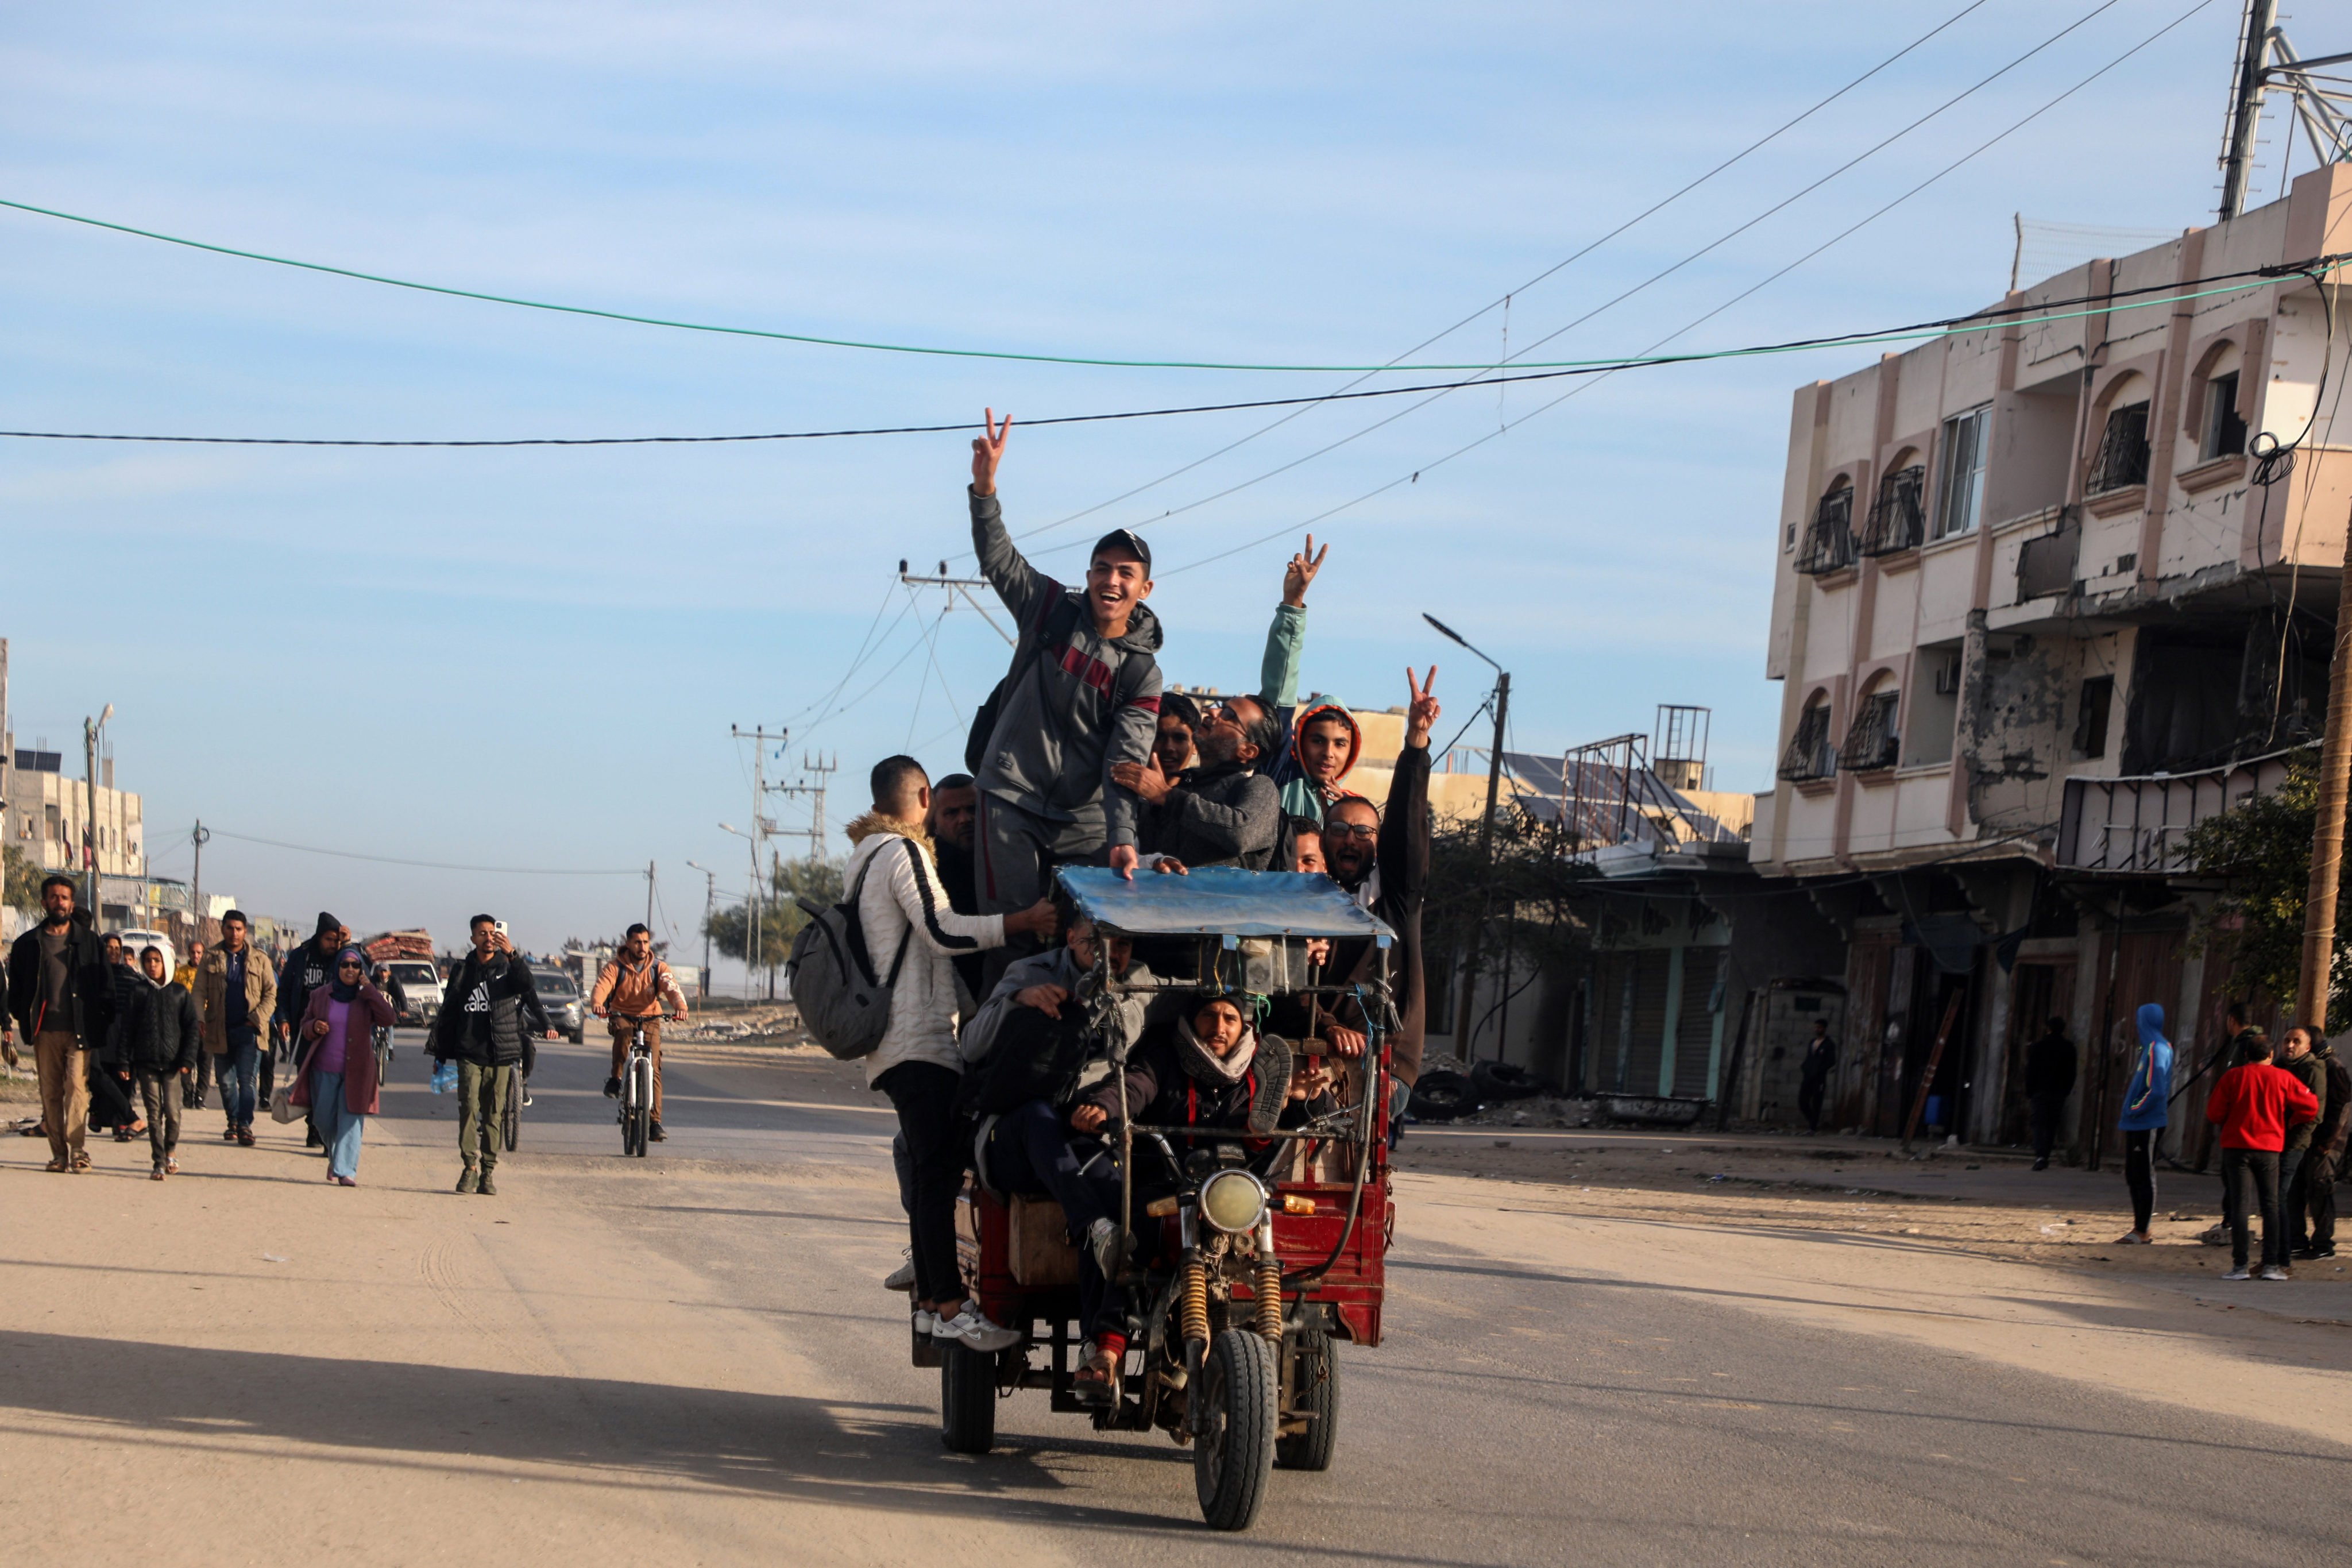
419	997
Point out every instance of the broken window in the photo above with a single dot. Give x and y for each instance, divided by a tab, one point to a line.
2122	462
1898	518
1829	541
1961	500
2091	716
1871	741
1810	754
2225	431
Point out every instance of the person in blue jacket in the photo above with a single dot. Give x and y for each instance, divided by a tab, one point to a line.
2147	1094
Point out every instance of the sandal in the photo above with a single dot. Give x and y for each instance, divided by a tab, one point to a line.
56	1165
171	1166
1096	1382
80	1164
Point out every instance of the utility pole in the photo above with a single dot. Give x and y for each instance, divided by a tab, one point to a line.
955	585
1486	844
200	837
649	896
2246	106
709	899
2313	987
816	832
90	728
760	826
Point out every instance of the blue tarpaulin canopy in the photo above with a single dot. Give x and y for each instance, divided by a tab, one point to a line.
1220	900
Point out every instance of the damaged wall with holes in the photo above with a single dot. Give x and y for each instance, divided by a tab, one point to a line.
2013	730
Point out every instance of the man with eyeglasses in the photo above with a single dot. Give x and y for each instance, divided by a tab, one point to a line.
1223	813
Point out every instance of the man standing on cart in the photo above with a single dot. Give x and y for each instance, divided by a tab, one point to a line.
1082	697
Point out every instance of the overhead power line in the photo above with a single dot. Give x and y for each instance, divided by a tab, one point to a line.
428	865
1979	321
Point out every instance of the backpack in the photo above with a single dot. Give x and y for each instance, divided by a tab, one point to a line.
1053	630
843	1007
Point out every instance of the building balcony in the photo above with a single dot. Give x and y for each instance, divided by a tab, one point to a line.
2139	824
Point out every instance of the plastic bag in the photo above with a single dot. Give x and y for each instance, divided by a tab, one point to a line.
445	1077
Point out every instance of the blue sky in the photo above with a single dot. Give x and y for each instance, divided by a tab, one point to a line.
532	659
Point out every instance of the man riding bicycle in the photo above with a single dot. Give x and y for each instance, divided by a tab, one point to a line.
633	988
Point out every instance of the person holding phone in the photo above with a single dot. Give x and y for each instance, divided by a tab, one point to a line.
486	1026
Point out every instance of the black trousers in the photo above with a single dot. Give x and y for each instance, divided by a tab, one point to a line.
924	1095
1810	1095
2252	1175
2046	1109
2139	1174
2316	1177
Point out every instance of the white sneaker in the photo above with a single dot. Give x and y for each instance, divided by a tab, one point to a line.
901	1278
926	1322
2240	1272
972	1328
2273	1271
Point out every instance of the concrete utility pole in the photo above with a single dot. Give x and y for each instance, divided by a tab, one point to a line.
2314	989
709	899
89	729
759	736
1486	843
816	831
2246	106
200	837
649	896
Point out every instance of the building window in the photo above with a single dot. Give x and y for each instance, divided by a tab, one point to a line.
1810	754
2122	462
53	822
1829	543
2225	432
2091	716
1871	741
1898	517
1961	499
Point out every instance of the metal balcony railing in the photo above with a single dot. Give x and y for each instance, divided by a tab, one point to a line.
2122	462
1898	518
2138	823
1829	539
1810	755
1871	741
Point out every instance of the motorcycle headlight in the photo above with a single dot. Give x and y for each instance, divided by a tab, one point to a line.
1233	1202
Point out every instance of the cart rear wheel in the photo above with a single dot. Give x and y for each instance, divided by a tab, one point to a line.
967	1399
1240	1394
1315	1394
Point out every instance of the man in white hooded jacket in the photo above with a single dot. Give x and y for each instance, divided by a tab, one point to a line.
909	929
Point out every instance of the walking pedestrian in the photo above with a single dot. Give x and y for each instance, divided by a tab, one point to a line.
155	1030
1813	1074
2148	1098
335	1071
113	1102
308	968
2049	1079
2326	1160
491	1002
2256	1105
2298	1057
236	993
194	1085
62	996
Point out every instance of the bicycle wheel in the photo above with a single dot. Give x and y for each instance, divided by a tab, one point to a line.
511	1124
641	1105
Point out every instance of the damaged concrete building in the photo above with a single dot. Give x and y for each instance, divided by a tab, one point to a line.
2047	595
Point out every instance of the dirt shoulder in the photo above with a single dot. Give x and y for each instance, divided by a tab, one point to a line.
1986	1204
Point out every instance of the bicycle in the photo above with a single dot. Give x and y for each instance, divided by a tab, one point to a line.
637	1091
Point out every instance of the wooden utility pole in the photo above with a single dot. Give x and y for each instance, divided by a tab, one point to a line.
2313	989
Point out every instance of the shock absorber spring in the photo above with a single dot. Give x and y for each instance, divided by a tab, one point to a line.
1194	1314
1269	1296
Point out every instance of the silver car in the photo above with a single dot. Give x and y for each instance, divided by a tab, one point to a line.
566	1009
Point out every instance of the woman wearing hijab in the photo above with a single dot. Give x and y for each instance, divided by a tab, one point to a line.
2148	1093
336	1080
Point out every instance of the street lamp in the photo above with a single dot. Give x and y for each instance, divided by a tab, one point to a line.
750	904
90	733
1485	838
710	896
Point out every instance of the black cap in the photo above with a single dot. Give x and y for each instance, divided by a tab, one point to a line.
1125	538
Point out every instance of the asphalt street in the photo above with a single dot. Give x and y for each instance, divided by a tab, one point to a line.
1517	1412
687	1357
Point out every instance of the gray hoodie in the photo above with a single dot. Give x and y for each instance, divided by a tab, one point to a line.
1058	728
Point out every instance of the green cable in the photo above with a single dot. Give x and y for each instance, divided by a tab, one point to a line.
2323	265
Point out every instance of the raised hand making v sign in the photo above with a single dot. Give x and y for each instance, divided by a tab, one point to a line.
988	450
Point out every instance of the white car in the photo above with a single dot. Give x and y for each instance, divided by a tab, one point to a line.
420	991
136	942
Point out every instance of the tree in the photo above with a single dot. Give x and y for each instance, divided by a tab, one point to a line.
24	881
781	918
2262	848
1536	902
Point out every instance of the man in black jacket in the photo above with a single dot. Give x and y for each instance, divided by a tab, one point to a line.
1223	812
1382	856
157	1036
490	1010
61	996
2049	1079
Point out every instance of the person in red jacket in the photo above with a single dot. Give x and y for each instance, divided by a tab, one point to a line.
2253	1105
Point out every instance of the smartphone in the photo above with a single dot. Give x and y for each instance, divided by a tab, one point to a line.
500	927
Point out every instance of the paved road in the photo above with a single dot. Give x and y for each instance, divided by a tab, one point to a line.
688	1358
